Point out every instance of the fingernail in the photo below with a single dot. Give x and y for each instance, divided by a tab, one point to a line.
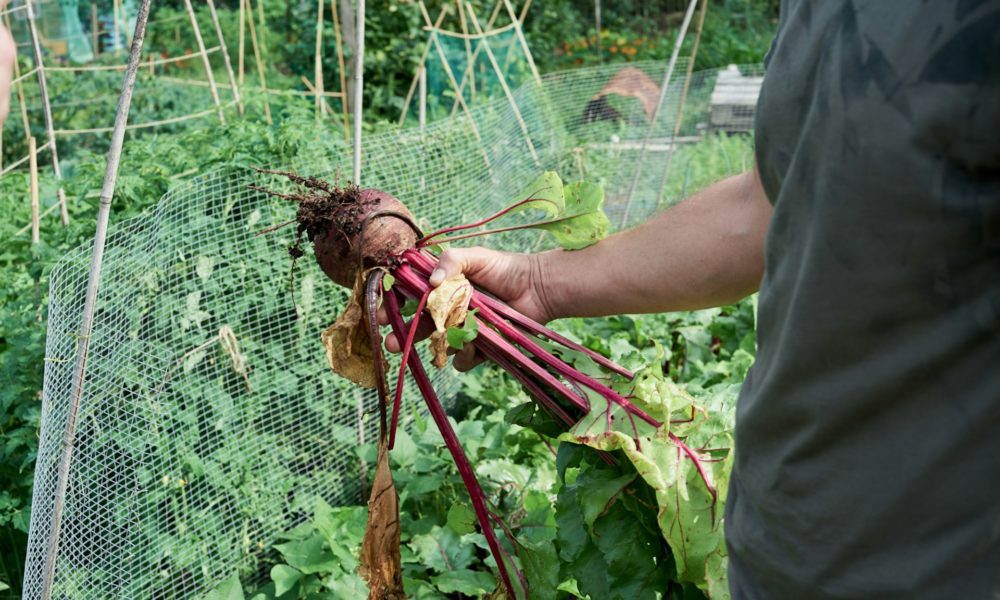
437	276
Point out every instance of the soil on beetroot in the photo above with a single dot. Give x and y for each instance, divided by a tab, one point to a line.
335	218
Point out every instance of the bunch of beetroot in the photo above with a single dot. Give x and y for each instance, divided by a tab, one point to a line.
366	240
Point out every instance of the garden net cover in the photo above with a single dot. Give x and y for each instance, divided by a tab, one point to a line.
209	421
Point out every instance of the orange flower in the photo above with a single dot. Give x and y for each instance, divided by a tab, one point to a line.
613	49
629	51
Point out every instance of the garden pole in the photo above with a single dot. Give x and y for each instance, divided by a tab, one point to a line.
683	101
421	64
90	301
93	29
33	171
225	56
659	105
506	89
359	81
469	61
260	63
597	22
356	112
422	117
43	88
518	23
318	60
341	69
242	40
204	58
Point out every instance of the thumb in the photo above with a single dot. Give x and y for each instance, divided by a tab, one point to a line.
467	261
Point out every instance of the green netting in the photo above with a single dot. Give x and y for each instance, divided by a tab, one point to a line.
209	422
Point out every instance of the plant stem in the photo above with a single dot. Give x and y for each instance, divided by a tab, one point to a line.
425	241
406	349
425	264
451	442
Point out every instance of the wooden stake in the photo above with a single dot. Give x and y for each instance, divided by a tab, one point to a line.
260	63
597	19
451	78
263	25
33	169
204	58
659	105
89	306
503	84
225	57
95	39
47	111
680	108
359	81
520	36
422	64
342	71
242	49
475	57
318	60
115	15
422	116
469	60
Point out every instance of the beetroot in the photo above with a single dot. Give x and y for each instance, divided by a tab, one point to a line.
372	226
361	238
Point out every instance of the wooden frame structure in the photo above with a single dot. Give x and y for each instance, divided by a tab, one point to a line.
40	69
476	41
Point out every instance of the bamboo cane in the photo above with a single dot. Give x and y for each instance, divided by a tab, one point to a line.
656	113
225	57
93	29
204	57
255	43
421	64
242	42
47	111
33	169
506	89
359	79
683	101
90	302
342	72
318	60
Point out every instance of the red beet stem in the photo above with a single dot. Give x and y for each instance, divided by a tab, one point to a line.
407	348
425	241
451	442
425	264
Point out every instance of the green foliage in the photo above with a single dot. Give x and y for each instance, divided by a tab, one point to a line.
563	33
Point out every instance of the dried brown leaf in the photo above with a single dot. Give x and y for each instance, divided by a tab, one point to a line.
380	563
448	304
347	346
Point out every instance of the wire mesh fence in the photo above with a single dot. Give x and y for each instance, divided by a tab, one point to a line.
209	421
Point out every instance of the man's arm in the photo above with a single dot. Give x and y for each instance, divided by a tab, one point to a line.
706	251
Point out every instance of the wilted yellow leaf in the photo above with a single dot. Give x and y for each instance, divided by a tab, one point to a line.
448	304
348	348
380	563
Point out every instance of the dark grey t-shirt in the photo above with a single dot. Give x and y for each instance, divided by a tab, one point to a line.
868	431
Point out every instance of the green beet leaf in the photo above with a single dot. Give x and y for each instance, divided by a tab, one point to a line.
458	337
464	581
583	221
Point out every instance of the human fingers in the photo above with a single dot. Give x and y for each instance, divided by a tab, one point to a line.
462	261
466	358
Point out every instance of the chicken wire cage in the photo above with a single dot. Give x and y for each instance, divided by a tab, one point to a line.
209	421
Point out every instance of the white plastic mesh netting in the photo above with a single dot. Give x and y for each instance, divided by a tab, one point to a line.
209	421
